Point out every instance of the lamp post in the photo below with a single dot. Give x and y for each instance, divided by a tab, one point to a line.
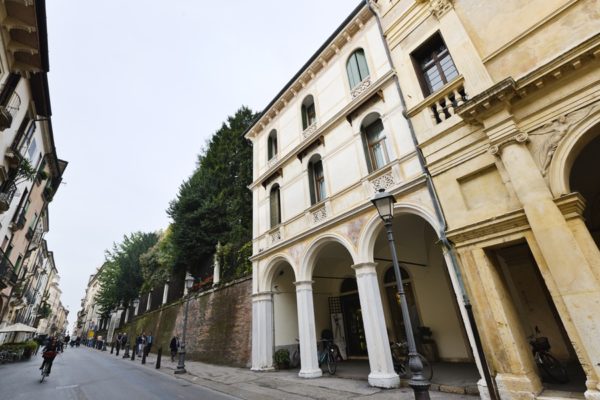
189	281
384	202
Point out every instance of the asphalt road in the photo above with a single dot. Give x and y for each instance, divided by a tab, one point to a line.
84	374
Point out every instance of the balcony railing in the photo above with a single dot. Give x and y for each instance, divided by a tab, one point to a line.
7	195
18	223
7	271
361	87
442	104
9	111
272	161
309	129
30	233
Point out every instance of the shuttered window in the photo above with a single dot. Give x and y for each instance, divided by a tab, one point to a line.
275	206
357	68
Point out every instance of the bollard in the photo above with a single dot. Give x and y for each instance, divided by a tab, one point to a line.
158	356
126	352
144	356
133	354
112	347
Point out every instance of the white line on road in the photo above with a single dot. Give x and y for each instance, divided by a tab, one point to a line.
67	387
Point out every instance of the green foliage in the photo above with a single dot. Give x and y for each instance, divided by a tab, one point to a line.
157	263
25	171
214	204
121	275
44	310
282	358
235	262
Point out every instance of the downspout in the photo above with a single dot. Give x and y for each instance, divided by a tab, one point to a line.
493	391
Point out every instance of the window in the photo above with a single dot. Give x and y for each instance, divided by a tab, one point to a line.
357	68
275	206
434	64
316	180
374	142
272	144
32	148
309	116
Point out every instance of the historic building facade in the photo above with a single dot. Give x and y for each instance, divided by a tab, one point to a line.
329	140
504	100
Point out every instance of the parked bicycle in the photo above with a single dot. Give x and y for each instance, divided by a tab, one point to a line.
328	356
401	359
540	346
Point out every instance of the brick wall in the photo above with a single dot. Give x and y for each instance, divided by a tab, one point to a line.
219	325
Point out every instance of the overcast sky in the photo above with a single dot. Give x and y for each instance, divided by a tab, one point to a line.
137	87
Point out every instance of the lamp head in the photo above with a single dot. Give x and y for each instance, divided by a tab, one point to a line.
384	202
189	281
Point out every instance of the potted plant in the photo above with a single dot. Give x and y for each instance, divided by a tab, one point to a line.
282	359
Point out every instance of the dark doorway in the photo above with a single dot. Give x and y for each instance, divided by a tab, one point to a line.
356	343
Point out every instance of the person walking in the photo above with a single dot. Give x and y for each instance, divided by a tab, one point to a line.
118	342
174	346
149	340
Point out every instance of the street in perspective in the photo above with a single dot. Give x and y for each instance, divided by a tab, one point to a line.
300	200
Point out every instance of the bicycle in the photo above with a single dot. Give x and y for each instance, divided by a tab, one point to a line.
540	346
45	371
328	356
401	361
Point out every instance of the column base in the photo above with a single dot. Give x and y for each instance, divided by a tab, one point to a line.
592	394
484	392
518	387
262	369
315	373
383	380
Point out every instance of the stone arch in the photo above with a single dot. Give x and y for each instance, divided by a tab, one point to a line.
312	251
266	276
581	133
373	226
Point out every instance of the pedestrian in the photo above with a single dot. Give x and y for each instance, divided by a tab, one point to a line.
119	339
124	340
174	346
149	340
138	344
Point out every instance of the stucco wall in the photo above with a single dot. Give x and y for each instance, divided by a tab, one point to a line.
211	314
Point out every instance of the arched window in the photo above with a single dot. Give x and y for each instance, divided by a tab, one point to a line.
316	180
357	68
275	206
272	144
374	142
309	115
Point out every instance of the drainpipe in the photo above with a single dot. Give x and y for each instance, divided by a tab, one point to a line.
491	384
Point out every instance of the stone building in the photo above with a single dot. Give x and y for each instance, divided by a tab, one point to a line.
482	119
503	98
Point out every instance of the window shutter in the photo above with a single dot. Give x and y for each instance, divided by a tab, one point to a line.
363	68
311	183
353	73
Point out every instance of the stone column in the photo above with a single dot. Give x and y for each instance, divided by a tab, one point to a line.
378	344
568	266
516	374
165	293
262	331
309	363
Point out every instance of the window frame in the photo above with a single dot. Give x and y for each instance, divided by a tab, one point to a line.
362	75
369	146
316	180
272	148
274	220
308	111
430	48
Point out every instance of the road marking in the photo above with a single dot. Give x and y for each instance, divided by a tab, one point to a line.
67	387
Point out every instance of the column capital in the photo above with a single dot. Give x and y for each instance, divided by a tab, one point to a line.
262	296
304	285
519	138
365	268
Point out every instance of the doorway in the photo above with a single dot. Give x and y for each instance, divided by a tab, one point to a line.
356	343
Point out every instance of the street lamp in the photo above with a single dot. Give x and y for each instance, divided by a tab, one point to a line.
384	202
189	281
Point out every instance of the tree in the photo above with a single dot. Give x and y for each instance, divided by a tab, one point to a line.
157	263
121	275
214	204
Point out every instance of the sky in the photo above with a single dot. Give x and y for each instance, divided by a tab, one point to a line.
138	87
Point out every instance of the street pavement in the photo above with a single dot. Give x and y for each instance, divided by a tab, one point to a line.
85	374
88	374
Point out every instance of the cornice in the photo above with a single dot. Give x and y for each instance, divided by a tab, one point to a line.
308	73
571	206
508	91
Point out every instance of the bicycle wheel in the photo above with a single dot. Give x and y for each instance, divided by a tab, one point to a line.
331	363
427	368
295	360
43	374
555	370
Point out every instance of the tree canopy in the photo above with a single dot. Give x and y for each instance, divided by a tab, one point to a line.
214	204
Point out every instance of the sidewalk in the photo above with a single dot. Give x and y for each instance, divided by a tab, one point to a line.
280	385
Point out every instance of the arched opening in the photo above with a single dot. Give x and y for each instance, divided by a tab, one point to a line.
357	68
272	145
285	317
434	312
275	206
583	178
309	114
374	142
316	180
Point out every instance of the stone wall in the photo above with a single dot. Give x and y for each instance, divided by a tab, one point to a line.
219	325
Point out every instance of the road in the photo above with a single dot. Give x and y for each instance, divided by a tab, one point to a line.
85	374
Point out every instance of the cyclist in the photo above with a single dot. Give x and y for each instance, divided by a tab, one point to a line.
49	353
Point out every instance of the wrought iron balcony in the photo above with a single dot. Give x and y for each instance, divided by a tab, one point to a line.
18	223
7	271
6	196
29	234
9	111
